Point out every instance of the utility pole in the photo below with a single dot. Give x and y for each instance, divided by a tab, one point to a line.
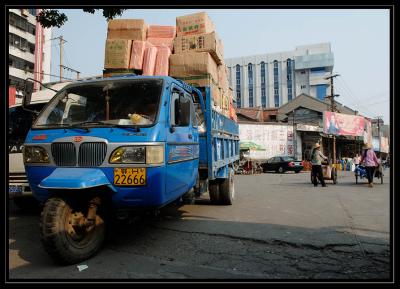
61	42
294	137
333	109
379	132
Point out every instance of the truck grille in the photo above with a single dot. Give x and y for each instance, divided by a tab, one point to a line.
64	154
92	154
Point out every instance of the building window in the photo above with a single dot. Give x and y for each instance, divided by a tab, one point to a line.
276	84
21	23
303	87
263	90
303	72
32	12
289	78
20	63
238	88
251	84
321	91
21	43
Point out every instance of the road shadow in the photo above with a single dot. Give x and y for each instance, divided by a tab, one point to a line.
257	249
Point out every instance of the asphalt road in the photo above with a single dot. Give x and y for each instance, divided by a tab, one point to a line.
280	227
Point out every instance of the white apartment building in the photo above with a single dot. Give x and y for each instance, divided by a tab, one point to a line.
271	80
29	49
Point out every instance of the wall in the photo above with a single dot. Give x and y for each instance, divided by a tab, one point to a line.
276	139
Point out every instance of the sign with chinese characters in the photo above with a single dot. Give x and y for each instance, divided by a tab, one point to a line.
275	139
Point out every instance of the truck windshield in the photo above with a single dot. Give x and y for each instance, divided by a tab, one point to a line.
133	102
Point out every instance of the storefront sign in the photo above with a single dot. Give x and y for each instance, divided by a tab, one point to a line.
343	124
307	127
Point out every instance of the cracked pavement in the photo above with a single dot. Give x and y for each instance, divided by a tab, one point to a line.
280	227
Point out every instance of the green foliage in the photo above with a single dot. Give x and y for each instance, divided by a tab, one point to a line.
51	18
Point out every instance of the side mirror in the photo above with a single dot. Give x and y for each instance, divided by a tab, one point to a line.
27	94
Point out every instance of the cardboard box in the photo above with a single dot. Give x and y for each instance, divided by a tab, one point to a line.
193	64
203	81
159	42
133	29
159	31
207	42
117	53
137	53
223	77
149	60
162	61
197	23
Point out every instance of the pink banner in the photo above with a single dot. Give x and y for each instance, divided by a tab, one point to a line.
343	124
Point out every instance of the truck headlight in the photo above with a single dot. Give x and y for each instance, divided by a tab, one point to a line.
154	154
35	154
129	155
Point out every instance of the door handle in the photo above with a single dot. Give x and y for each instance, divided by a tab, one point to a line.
190	136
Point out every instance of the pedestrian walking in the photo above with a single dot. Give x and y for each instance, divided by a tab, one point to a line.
356	160
316	157
370	162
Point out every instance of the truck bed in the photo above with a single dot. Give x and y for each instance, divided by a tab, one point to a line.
219	146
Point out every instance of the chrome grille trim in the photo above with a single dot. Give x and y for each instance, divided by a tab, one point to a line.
92	154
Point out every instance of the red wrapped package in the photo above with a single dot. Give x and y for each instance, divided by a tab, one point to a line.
169	42
162	61
149	60
160	31
137	53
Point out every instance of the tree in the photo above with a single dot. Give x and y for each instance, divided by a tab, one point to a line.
50	17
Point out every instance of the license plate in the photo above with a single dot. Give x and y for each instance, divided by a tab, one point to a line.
14	190
130	176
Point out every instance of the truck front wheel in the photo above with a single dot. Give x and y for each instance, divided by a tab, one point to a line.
227	189
67	234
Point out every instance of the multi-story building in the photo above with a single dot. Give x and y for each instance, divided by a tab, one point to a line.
29	49
271	80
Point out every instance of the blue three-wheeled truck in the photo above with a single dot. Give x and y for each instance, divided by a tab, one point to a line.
112	146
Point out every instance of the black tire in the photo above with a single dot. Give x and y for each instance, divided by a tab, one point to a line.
213	190
280	170
57	238
27	203
227	189
189	197
297	171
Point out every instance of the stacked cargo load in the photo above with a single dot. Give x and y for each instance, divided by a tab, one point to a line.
123	35
198	59
191	51
162	38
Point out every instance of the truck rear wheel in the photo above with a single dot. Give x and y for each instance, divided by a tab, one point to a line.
213	190
227	189
64	237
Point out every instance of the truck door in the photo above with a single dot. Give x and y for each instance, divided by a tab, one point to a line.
182	144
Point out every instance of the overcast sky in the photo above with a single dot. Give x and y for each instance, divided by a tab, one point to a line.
359	40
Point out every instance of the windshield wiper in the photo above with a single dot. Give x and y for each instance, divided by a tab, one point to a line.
78	125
